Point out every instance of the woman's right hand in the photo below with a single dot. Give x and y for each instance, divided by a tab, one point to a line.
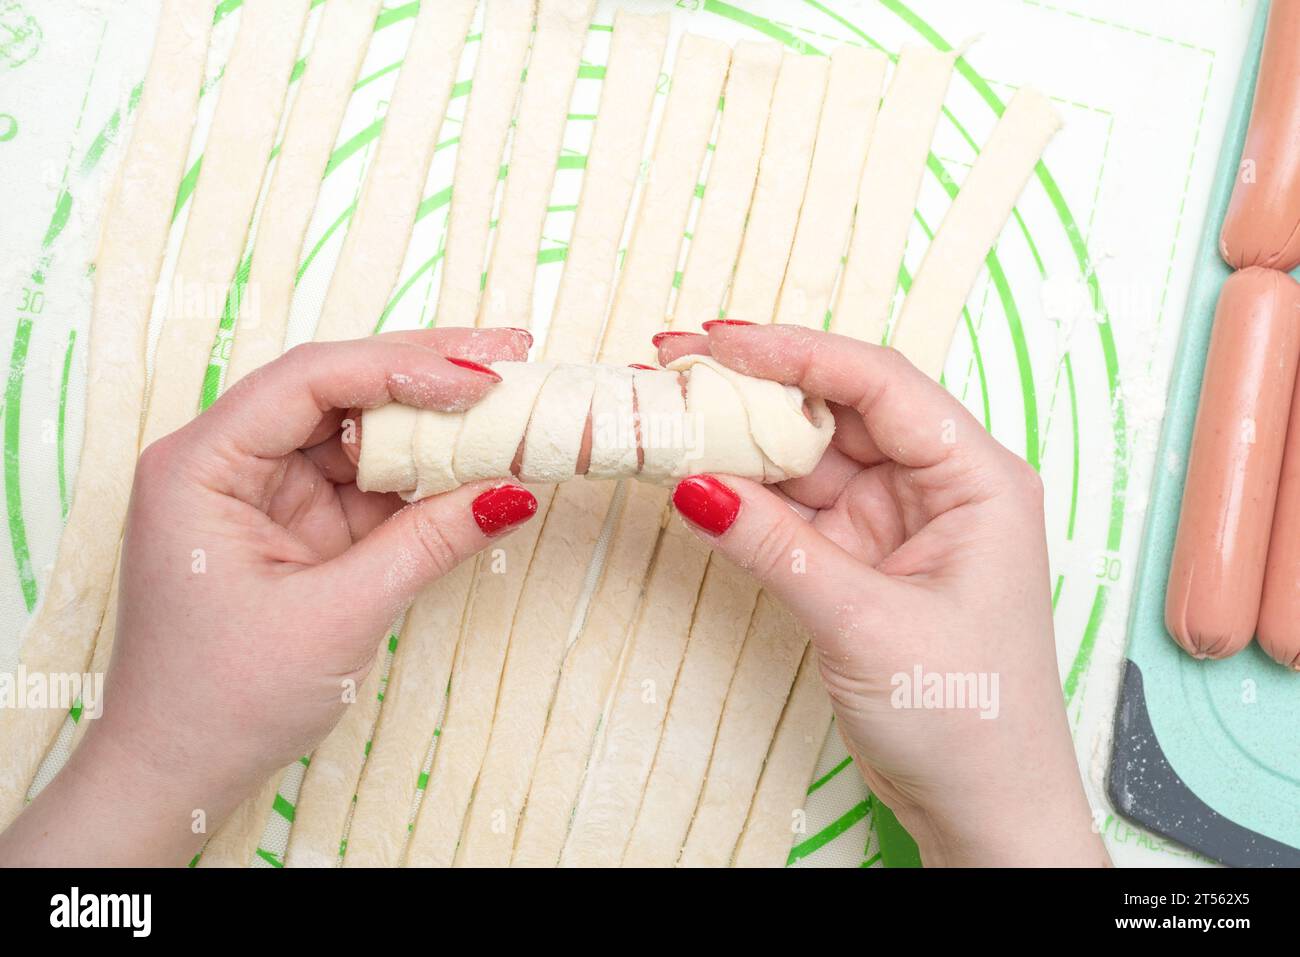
916	549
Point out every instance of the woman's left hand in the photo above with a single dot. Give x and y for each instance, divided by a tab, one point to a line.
257	586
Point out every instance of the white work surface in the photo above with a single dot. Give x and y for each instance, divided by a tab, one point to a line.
1144	90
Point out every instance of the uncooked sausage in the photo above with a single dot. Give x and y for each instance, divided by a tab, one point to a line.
1212	603
1262	227
1279	609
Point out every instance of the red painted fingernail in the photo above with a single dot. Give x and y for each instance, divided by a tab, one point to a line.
659	337
706	502
502	508
641	365
726	322
472	366
522	332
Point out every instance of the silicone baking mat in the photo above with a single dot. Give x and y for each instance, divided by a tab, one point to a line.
1206	752
1063	353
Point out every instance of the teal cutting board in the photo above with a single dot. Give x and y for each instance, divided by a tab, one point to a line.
1206	752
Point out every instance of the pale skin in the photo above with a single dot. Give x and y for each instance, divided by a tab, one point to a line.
924	544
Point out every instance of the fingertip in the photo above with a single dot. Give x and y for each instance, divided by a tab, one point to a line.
441	383
667	335
674	343
707	503
472	366
503	508
715	324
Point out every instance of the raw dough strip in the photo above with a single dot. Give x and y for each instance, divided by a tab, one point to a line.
722	617
848	115
722	596
729	423
536	655
622	756
367	270
314	120
644	287
507	28
585	679
767	661
534	154
635	57
320	814
381	227
538	641
764	674
970	228
340	45
646	282
235	843
783	787
778	195
722	666
622	759
623	753
715	242
471	702
136	224
468	747
413	699
235	159
891	180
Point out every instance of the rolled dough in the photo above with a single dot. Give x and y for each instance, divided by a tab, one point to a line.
613	425
492	430
662	424
554	436
731	423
